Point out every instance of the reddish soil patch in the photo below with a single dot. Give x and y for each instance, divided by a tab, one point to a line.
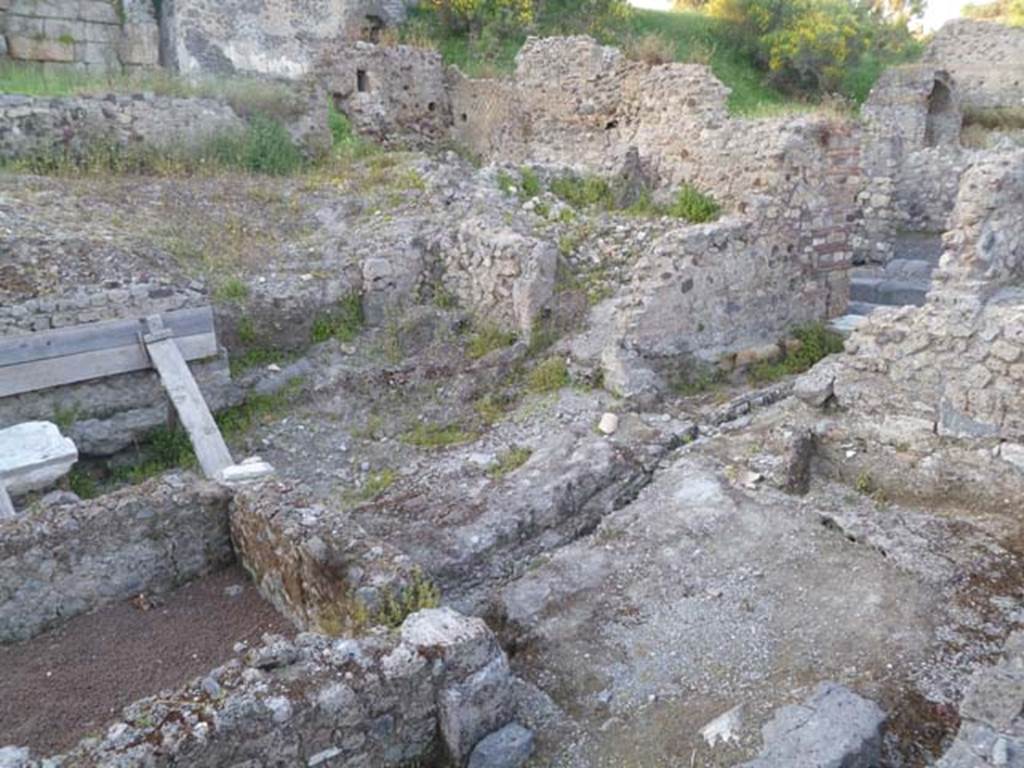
59	687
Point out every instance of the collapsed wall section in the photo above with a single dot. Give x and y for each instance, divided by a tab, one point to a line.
67	128
63	558
316	566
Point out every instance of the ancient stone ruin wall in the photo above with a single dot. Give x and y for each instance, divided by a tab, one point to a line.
59	559
714	289
506	277
282	38
97	35
35	125
948	376
986	60
388	92
428	693
912	158
74	125
791	184
323	572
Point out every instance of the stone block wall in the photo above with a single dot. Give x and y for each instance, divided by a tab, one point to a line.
423	696
101	35
943	384
985	58
60	559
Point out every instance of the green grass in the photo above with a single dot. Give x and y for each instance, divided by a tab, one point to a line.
257	409
488	337
509	461
257	357
263	147
345	142
373	486
693	205
247	96
696	38
430	436
418	595
683	36
343	323
816	342
232	290
549	376
583	191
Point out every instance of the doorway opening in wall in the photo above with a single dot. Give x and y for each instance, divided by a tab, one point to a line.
942	124
362	81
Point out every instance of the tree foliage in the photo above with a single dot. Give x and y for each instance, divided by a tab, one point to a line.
515	15
1007	11
808	45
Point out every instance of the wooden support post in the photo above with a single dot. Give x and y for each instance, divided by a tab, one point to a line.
193	412
6	506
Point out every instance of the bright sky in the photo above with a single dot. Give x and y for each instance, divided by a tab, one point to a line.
937	12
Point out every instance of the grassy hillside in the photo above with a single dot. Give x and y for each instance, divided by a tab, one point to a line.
695	37
687	36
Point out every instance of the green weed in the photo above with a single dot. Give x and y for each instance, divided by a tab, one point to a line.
343	323
509	461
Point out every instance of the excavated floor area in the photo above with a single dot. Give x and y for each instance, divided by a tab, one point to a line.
60	687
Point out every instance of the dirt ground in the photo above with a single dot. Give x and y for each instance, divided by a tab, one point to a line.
80	675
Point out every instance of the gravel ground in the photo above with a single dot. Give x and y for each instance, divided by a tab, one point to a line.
60	687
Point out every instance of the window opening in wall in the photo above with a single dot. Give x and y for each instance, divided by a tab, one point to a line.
362	81
372	28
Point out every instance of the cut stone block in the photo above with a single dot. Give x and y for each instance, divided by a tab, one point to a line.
835	728
34	455
250	470
32	49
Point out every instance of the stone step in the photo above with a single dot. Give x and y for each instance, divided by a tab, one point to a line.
844	325
919	247
915	270
891	293
861	308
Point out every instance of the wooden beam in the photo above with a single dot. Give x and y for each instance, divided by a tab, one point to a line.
193	412
60	371
94	337
6	506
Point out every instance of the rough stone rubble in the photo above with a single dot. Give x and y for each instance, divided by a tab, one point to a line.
828	570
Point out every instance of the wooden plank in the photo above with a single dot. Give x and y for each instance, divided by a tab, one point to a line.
56	372
93	337
6	506
193	412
